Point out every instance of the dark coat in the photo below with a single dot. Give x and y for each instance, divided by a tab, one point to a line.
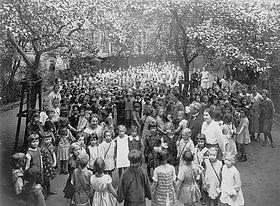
195	125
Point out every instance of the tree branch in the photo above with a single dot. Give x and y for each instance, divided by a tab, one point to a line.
18	9
34	47
61	27
19	50
193	57
52	48
75	29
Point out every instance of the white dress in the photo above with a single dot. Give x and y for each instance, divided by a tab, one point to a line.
230	184
122	152
108	154
211	180
102	197
228	131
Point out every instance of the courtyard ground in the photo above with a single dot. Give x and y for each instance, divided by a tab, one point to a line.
260	175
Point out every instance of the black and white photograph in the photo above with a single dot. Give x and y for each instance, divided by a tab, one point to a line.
140	102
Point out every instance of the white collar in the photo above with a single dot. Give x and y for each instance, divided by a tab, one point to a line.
132	138
33	149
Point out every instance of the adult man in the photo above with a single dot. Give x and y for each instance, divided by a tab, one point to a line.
195	120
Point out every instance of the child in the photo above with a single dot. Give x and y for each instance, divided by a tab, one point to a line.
184	144
164	178
182	122
93	150
49	162
74	118
81	142
83	119
34	126
187	189
33	192
170	140
81	182
231	193
49	123
101	183
122	150
200	154
243	136
56	109
213	168
135	184
229	131
17	162
33	155
108	148
135	142
64	141
43	113
152	140
74	151
200	150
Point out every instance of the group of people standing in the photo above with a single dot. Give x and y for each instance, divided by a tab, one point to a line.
133	121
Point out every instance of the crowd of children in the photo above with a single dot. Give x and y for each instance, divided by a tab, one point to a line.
131	119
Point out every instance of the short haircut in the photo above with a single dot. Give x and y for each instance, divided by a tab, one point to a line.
135	156
83	160
227	118
188	156
162	156
32	137
201	137
213	149
121	127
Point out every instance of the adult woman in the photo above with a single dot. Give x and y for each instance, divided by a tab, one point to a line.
266	116
213	133
94	127
255	113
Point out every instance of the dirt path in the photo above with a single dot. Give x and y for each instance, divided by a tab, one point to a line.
260	175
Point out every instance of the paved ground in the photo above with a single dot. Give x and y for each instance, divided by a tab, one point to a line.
260	174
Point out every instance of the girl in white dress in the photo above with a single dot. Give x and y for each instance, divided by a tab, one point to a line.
212	177
231	193
104	193
229	131
108	148
122	150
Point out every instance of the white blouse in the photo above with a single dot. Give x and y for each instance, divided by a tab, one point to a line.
214	135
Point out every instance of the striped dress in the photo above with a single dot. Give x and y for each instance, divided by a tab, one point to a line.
164	194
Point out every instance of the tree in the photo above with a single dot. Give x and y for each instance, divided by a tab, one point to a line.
44	26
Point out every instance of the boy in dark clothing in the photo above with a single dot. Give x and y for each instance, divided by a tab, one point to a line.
135	184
